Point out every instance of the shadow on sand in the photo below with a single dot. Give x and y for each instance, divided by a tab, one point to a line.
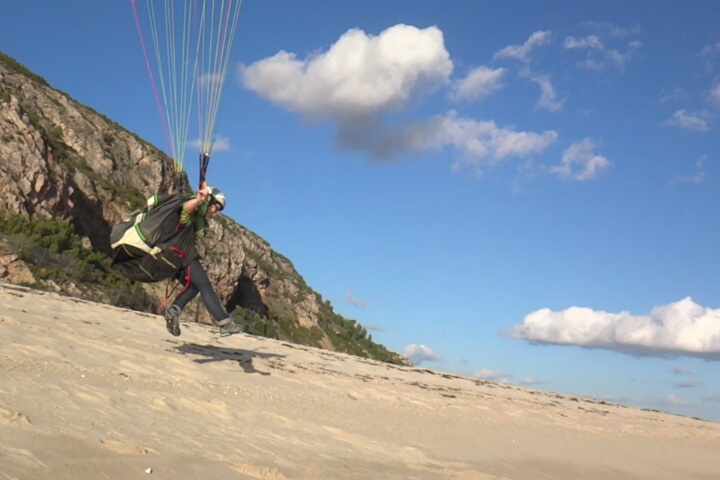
212	353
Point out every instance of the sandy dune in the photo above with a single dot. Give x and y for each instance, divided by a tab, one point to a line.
89	391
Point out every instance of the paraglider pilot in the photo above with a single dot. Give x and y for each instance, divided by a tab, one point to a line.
196	212
160	243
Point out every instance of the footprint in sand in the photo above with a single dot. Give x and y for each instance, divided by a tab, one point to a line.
125	448
8	417
23	456
264	473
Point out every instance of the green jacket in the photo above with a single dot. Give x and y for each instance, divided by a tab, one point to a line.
197	219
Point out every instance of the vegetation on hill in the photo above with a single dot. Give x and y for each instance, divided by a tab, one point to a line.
54	252
18	67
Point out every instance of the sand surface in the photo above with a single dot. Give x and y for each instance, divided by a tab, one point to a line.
89	391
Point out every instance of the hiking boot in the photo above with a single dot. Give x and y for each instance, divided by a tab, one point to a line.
172	319
229	327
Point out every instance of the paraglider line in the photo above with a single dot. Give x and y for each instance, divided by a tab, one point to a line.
152	79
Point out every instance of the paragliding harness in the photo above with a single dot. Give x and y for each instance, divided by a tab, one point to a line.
153	244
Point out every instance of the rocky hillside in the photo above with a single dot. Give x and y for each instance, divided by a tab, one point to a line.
67	174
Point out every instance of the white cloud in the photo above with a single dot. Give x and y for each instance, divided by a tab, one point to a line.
220	144
711	50
361	79
493	375
696	122
681	371
374	327
521	52
697	177
485	139
591	41
715	95
673	95
526	172
360	75
689	384
609	30
712	398
349	298
479	83
357	81
210	82
548	98
532	381
482	143
420	353
683	328
580	163
668	401
599	55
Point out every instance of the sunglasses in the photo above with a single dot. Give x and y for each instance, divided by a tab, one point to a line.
215	202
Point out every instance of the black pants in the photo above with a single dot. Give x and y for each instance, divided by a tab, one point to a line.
195	280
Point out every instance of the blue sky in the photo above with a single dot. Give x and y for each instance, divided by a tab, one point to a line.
517	191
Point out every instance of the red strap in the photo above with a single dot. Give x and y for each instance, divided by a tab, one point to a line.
187	282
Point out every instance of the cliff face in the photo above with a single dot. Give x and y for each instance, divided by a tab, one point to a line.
60	159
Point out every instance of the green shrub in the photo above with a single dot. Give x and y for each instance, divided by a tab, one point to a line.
53	251
13	64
